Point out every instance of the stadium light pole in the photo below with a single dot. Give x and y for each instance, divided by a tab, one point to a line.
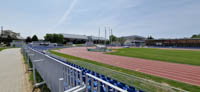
105	37
99	36
111	37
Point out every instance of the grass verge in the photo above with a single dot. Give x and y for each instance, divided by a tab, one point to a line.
116	76
2	49
174	56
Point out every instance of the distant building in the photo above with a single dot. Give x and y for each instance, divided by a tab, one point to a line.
81	39
9	33
185	42
17	43
134	40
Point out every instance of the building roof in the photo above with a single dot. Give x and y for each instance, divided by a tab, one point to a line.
97	38
19	37
75	36
135	37
84	37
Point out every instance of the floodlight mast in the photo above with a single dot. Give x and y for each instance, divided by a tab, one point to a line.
99	36
111	37
105	37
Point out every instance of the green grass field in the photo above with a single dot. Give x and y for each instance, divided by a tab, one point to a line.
115	73
175	56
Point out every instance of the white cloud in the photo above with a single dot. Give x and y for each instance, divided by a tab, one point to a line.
66	14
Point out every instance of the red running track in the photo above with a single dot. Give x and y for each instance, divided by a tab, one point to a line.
180	72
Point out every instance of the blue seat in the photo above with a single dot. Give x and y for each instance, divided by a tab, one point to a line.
89	88
141	91
102	89
131	89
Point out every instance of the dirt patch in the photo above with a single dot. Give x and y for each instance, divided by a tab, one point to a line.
27	83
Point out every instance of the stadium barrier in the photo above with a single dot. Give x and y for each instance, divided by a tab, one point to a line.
53	71
62	77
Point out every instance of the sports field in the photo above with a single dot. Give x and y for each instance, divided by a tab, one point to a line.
190	57
133	66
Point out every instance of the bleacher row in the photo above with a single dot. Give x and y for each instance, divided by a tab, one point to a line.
84	71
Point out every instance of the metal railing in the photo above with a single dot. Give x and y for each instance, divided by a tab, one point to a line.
61	77
58	76
95	84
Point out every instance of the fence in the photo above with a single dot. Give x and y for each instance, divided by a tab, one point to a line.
54	71
96	84
62	77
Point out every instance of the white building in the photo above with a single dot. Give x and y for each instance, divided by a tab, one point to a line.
74	38
7	33
134	40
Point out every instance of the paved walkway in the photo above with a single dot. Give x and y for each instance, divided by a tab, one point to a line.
180	72
12	72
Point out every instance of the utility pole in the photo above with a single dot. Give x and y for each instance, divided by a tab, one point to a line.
1	33
109	34
105	37
99	36
1	28
111	37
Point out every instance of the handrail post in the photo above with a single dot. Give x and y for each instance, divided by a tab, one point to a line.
61	85
87	83
67	78
99	85
70	78
81	78
76	78
92	84
106	88
34	75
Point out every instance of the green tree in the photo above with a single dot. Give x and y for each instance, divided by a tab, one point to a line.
150	37
34	38
121	40
54	38
28	39
8	40
113	38
60	38
48	37
196	36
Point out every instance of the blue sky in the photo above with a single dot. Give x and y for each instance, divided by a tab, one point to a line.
159	18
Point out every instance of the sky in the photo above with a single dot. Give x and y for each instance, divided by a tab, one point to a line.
158	18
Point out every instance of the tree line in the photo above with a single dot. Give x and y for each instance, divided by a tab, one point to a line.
7	40
53	38
30	39
196	36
